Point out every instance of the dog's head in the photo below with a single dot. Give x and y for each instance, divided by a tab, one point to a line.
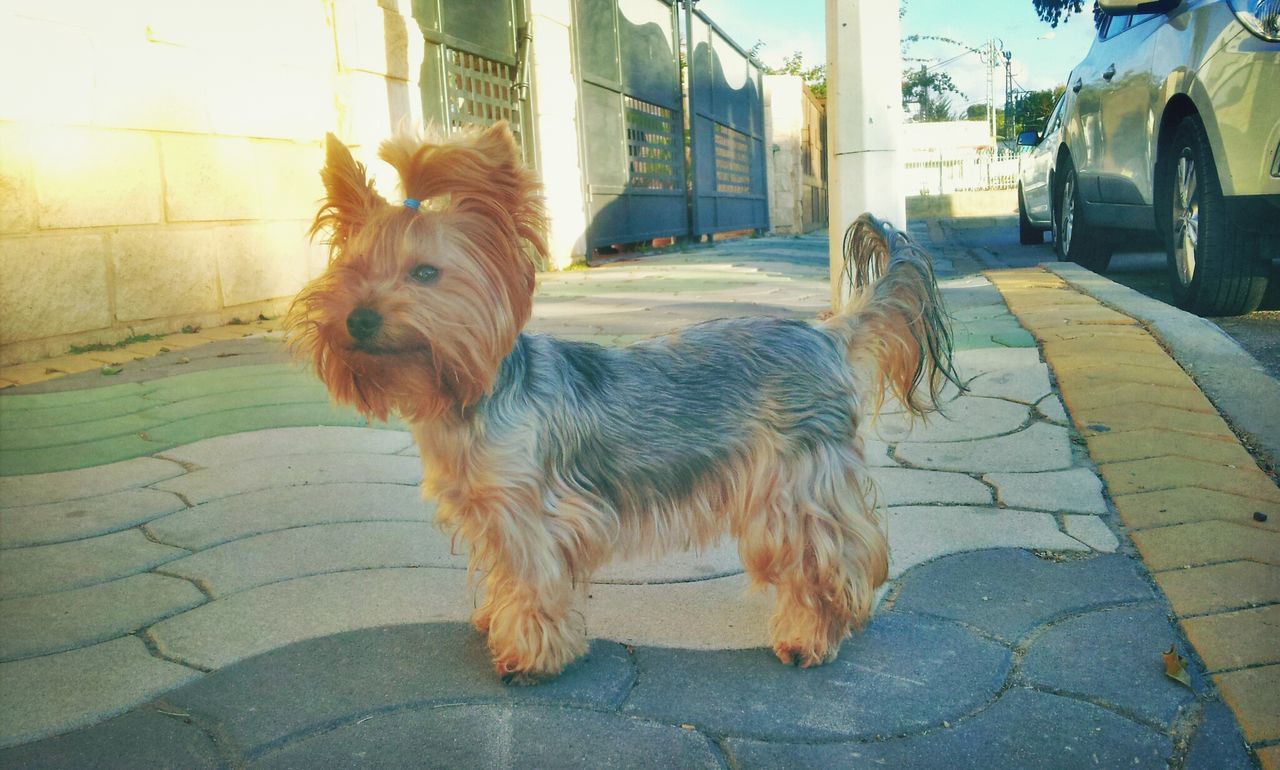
422	299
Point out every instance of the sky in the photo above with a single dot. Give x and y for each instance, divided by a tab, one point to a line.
1042	55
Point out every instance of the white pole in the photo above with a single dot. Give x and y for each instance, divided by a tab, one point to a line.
864	118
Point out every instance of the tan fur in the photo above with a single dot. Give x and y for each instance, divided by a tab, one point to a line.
805	520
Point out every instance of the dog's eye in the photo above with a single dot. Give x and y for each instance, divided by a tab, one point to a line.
424	273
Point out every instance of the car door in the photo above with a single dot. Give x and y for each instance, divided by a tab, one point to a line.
1088	145
1126	97
1035	184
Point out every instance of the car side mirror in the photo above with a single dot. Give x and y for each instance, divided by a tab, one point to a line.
1028	138
1131	7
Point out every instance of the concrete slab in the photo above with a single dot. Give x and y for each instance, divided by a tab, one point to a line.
1091	531
222	632
1040	447
1221	587
283	441
921	534
1206	542
899	675
1050	408
43	569
142	738
1254	695
56	693
67	620
994	739
717	561
1237	639
906	486
18	491
1075	489
964	419
1180	506
1098	656
1218	744
716	614
242	476
82	518
1009	593
1025	384
315	550
278	508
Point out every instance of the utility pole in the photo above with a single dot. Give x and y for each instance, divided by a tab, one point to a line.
1008	95
991	59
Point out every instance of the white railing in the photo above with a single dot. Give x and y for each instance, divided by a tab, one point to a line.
934	172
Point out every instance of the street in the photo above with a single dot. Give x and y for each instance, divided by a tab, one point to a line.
996	242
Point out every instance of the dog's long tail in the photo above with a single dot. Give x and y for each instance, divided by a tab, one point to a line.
894	325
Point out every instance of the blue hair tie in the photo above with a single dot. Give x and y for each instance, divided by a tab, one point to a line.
412	203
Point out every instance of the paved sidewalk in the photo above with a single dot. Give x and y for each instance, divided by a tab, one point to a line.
205	564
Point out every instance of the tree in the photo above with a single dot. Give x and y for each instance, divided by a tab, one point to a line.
814	77
1055	11
928	89
979	112
1034	108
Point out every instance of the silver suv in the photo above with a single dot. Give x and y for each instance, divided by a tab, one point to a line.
1170	125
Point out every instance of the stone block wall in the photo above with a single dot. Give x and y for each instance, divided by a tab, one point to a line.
795	147
159	161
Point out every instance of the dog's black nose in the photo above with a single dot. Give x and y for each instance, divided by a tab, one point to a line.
363	323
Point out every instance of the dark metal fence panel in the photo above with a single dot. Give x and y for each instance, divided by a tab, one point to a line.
475	68
632	120
726	98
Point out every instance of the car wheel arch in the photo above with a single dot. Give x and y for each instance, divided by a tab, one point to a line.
1179	108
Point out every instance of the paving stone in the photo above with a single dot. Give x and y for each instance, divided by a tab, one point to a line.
1103	335
314	550
500	736
85	517
251	419
1014	339
40	625
1025	384
1177	472
57	693
282	441
1110	357
876	454
1217	743
89	482
716	614
1269	757
1111	656
1188	399
1156	442
1143	345
1178	506
80	456
1051	409
1091	531
1124	417
278	508
1008	593
350	675
1220	587
1254	695
906	486
1040	447
1087	378
971	363
14	417
1076	489
964	418
1206	542
717	561
309	393
293	470
921	534
1024	729
1075	314
93	430
1236	639
251	622
900	674
141	738
43	569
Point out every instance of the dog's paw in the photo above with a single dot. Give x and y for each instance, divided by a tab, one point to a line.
794	654
521	679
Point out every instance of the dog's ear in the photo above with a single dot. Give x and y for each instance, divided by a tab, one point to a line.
498	144
349	194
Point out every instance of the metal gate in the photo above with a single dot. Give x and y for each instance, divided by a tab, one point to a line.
475	67
632	120
726	98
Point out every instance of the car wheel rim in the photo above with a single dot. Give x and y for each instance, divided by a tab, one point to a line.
1186	218
1068	213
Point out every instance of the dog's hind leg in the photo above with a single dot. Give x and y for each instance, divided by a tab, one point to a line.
809	528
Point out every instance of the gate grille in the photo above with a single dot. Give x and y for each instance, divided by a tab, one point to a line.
733	161
480	91
652	146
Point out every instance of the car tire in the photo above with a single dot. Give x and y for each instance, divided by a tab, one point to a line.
1073	239
1028	233
1214	269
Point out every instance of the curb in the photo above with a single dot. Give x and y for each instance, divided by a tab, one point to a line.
1232	379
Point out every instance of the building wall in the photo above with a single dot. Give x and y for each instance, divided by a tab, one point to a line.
159	161
795	139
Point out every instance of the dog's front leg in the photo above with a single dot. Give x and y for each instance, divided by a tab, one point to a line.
529	596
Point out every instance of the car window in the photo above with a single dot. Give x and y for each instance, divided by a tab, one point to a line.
1140	18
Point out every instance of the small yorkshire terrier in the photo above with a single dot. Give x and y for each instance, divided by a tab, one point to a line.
549	457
